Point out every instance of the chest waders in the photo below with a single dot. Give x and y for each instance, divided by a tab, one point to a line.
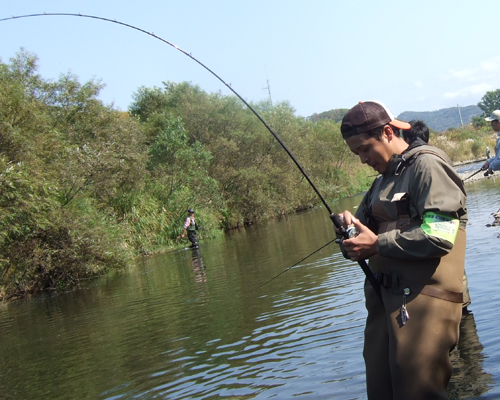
191	231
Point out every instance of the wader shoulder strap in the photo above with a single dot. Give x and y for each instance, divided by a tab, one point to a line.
404	222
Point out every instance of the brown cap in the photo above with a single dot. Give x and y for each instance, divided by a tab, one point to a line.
367	116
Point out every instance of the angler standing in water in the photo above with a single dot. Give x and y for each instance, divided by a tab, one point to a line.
411	227
191	227
493	164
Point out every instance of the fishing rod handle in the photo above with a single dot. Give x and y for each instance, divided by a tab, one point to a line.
362	263
337	222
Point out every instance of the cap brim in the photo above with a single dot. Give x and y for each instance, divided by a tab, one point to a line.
400	124
492	118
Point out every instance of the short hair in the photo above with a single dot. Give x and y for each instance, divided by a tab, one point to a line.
418	130
377	132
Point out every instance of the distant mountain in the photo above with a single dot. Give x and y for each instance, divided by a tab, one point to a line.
445	118
439	120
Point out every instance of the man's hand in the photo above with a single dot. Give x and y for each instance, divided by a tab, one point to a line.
346	219
362	246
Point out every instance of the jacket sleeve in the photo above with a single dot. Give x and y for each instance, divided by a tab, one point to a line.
495	160
434	190
495	163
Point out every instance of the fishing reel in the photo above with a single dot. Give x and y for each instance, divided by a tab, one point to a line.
343	233
350	232
489	171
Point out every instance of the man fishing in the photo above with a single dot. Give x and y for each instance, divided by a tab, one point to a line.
493	164
411	228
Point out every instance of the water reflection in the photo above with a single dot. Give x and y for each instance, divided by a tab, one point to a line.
199	270
469	379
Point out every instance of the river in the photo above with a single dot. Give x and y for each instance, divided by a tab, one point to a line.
199	324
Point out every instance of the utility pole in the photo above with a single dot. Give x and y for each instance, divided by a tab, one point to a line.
269	91
459	113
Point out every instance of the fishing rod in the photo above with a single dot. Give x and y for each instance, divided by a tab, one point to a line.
334	217
477	172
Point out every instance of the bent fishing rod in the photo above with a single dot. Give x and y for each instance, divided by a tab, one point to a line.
334	217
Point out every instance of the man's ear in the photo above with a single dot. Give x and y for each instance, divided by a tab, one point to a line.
388	133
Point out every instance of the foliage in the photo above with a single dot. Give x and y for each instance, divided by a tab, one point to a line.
255	177
479	122
334	114
490	102
466	144
59	145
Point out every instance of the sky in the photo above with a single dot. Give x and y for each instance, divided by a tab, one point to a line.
318	55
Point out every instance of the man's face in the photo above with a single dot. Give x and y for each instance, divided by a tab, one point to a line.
495	124
375	153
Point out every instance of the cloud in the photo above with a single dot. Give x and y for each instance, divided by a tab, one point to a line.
475	73
473	90
462	74
491	65
480	88
459	85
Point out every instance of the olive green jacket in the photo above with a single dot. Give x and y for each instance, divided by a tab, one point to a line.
418	210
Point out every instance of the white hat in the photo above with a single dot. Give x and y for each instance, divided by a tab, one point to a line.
494	115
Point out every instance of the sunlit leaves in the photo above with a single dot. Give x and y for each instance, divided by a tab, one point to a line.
490	102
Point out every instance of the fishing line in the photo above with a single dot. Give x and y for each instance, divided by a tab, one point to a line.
334	217
289	268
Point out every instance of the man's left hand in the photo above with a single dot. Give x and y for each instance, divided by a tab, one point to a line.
362	246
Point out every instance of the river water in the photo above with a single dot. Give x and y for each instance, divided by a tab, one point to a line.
199	324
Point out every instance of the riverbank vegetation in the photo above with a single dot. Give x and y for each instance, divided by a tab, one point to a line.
85	188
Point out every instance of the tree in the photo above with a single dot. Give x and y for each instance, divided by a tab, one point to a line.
490	102
65	161
173	160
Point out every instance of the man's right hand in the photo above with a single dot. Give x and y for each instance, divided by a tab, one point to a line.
364	245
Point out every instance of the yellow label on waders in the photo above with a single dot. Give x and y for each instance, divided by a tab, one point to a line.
440	226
